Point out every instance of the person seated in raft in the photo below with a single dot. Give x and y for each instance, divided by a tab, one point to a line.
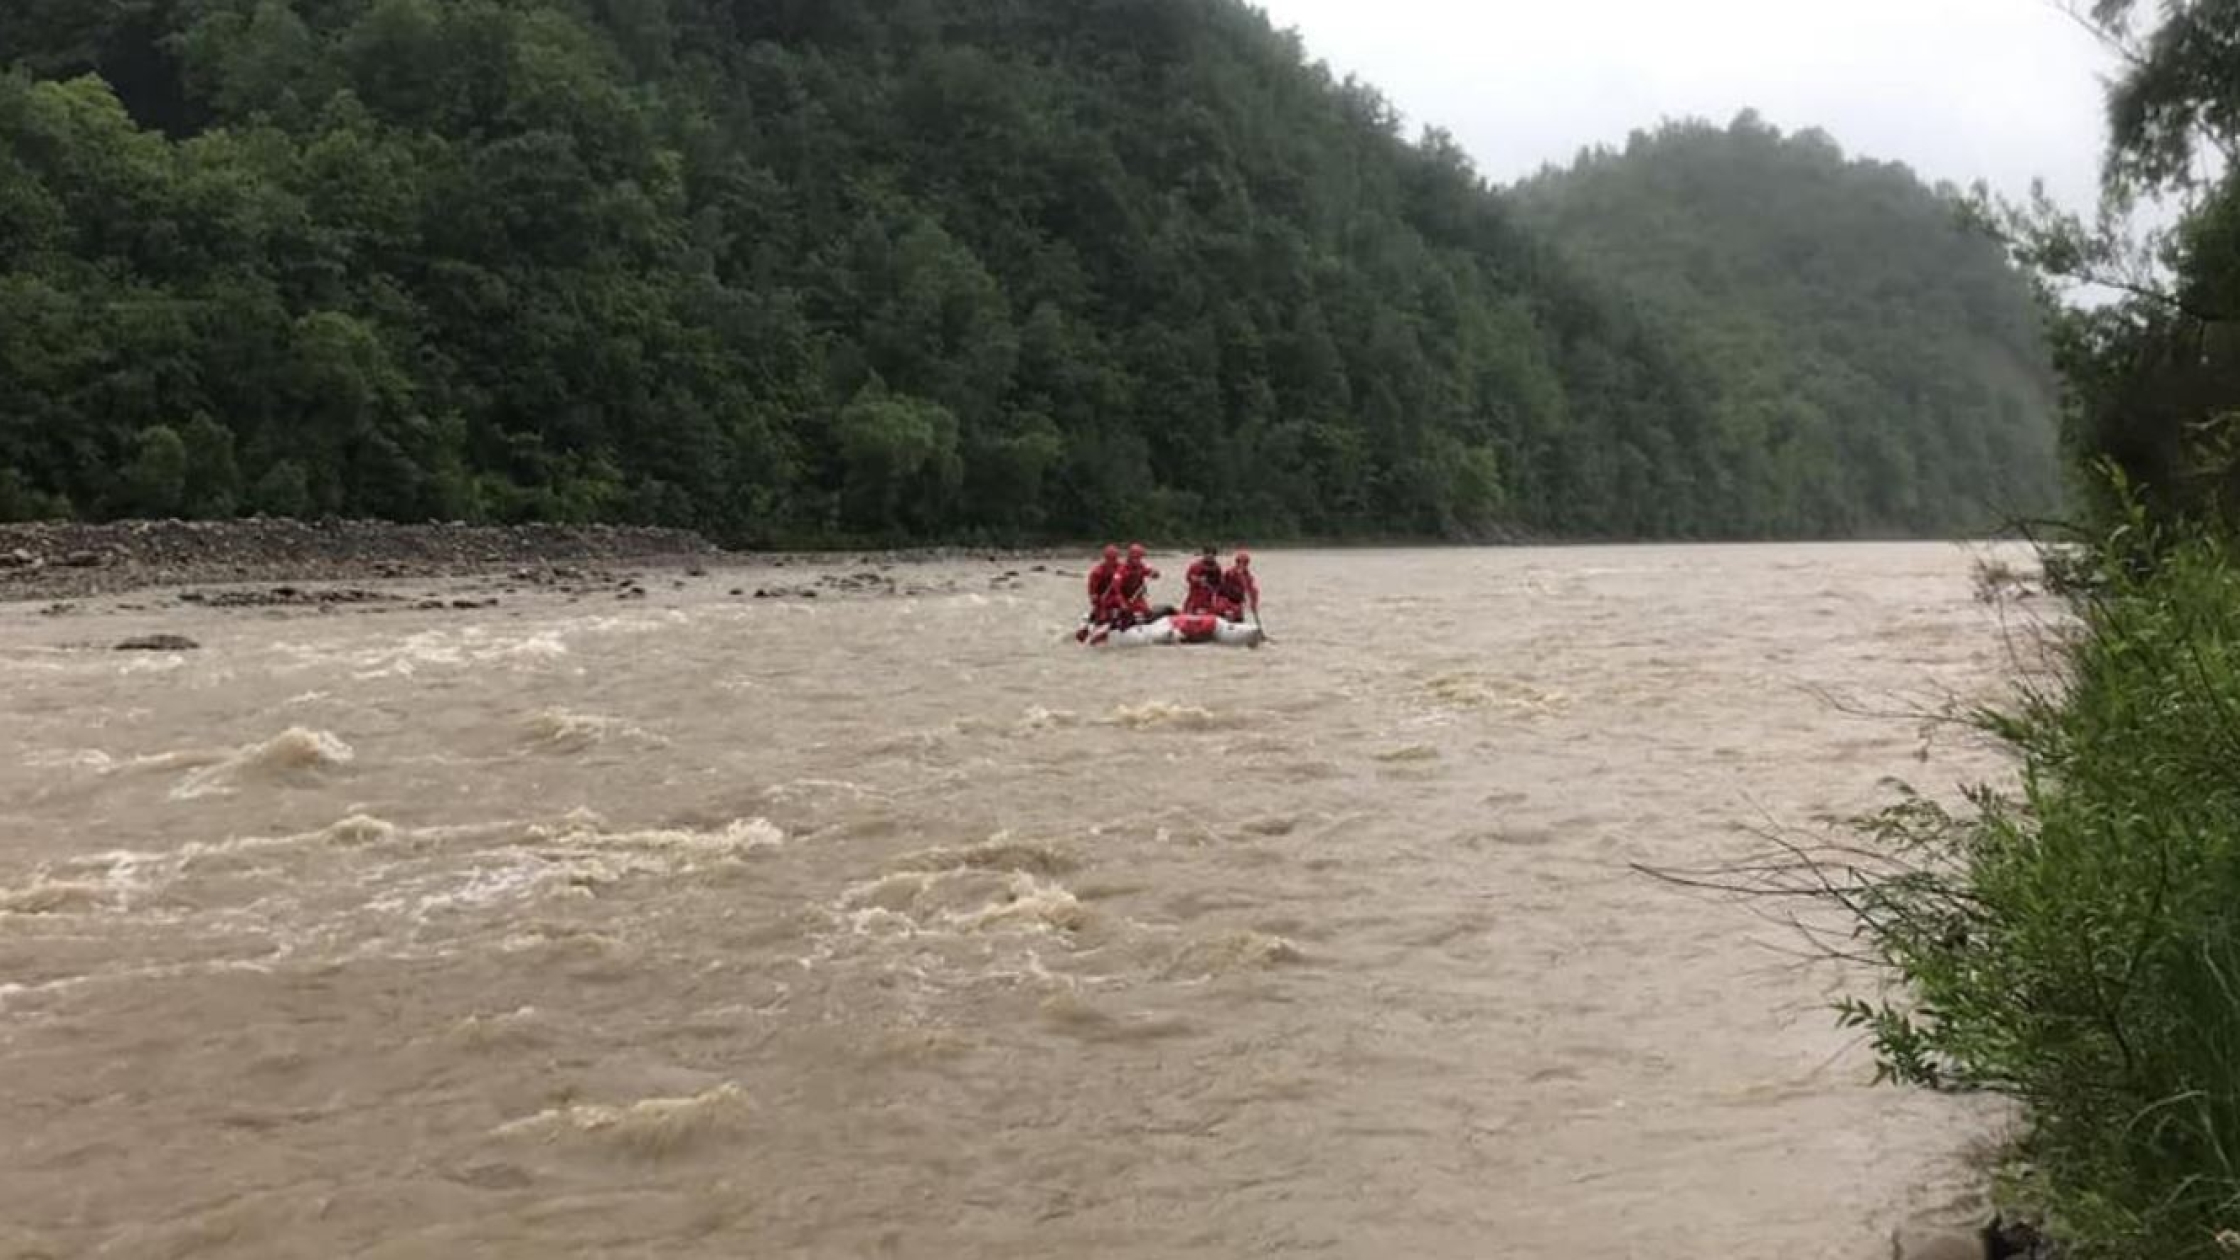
1132	586
1238	591
1100	582
1204	578
1112	611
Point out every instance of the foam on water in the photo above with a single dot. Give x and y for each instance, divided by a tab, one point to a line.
100	762
478	890
962	900
1038	720
468	647
357	829
805	789
33	665
650	1128
45	896
562	941
92	759
632	623
1471	690
585	830
1028	902
402	879
1164	715
1242	950
519	1029
297	754
998	853
559	730
152	663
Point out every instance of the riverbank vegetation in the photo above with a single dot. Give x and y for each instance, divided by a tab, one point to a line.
2074	943
924	269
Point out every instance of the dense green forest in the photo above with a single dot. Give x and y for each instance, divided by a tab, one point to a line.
1878	362
821	269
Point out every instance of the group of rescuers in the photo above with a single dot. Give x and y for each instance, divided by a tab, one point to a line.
1119	591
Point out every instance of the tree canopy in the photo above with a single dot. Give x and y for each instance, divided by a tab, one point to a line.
816	270
2154	366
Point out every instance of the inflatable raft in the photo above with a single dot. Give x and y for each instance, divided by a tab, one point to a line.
1174	628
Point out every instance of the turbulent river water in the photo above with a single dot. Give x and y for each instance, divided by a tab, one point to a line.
707	926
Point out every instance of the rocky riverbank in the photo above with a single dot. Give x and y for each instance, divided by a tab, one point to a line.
68	561
73	561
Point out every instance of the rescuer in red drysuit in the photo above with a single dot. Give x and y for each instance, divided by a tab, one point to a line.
1204	578
1100	582
1132	584
1238	591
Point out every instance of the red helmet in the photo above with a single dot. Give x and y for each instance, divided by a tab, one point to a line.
1111	552
1135	551
1244	558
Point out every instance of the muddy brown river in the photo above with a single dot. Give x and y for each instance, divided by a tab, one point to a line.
701	926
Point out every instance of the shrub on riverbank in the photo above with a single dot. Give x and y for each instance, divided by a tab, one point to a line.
2075	944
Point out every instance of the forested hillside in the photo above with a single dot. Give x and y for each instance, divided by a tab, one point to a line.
1873	362
827	269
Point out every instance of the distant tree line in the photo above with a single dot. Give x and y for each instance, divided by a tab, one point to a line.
815	270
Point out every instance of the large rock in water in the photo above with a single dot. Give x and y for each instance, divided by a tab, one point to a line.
159	643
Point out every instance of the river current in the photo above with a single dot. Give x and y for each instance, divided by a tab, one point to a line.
705	926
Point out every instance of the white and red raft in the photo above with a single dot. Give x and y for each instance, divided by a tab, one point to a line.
1175	629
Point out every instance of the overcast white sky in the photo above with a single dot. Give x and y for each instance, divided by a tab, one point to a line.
2001	90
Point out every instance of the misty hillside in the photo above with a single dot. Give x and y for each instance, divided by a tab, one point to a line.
1873	363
